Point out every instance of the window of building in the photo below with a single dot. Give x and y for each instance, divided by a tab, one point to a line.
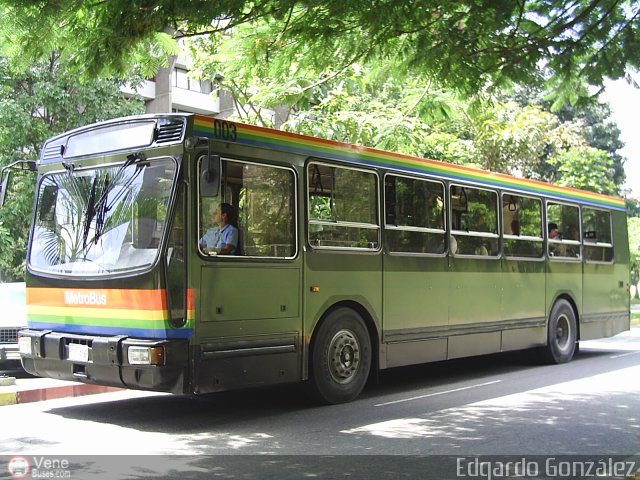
522	226
563	231
414	215
182	80
342	207
474	221
596	228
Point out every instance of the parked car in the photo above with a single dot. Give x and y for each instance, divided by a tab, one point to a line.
13	318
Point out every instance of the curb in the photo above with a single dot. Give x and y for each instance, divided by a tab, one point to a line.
8	399
52	393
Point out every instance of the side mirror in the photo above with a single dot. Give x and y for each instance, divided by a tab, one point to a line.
3	188
5	173
210	173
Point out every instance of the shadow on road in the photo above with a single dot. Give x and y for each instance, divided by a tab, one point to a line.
194	414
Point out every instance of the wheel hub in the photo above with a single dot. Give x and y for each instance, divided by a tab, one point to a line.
562	332
344	356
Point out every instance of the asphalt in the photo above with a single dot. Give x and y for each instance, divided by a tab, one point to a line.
26	390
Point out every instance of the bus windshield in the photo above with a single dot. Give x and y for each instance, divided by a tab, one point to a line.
102	221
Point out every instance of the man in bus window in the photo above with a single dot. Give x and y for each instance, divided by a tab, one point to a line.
555	250
222	238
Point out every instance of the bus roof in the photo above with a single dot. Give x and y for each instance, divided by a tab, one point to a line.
344	152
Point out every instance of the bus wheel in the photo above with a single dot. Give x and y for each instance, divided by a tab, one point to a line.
340	357
562	334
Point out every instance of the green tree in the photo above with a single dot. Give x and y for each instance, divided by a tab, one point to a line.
599	131
384	105
586	168
36	103
466	45
633	207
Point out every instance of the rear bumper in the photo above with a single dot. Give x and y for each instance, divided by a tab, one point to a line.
107	362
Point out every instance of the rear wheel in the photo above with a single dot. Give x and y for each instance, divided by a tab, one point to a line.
340	357
561	334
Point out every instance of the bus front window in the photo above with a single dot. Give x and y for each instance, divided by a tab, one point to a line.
101	221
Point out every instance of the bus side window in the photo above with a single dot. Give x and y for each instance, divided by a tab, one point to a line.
598	244
342	207
414	213
475	221
522	226
563	237
263	197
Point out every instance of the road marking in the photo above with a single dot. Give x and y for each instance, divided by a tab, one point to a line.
438	393
624	354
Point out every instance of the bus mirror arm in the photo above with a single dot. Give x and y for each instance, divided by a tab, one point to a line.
5	173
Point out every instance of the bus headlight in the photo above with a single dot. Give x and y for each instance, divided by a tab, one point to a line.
145	355
24	346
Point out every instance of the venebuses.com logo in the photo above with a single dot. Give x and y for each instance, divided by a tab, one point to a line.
18	467
38	467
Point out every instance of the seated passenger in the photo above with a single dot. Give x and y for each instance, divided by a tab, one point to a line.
222	238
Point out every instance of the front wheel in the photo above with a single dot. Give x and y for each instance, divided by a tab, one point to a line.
340	357
561	335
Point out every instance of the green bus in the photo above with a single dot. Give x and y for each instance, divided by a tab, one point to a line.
188	254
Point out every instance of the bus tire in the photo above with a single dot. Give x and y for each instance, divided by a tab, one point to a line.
340	357
561	334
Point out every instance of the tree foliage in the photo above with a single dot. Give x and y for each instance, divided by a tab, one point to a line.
467	44
428	79
36	103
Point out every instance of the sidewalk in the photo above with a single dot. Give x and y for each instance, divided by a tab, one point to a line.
27	390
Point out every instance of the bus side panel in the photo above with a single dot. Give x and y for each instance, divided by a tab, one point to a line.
564	278
475	291
523	304
342	277
249	326
416	307
474	306
604	311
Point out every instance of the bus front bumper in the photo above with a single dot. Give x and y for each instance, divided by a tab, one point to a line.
119	361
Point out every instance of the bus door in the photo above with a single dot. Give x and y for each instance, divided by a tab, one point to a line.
415	271
564	271
249	303
523	266
605	297
342	259
475	284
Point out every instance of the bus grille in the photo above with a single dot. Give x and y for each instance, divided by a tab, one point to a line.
78	341
169	132
52	152
9	334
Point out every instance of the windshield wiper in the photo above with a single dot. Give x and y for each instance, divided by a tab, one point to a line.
98	208
101	209
90	213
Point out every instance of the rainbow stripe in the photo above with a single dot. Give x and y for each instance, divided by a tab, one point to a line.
135	313
331	150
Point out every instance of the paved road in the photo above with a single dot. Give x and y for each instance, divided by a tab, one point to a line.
492	405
